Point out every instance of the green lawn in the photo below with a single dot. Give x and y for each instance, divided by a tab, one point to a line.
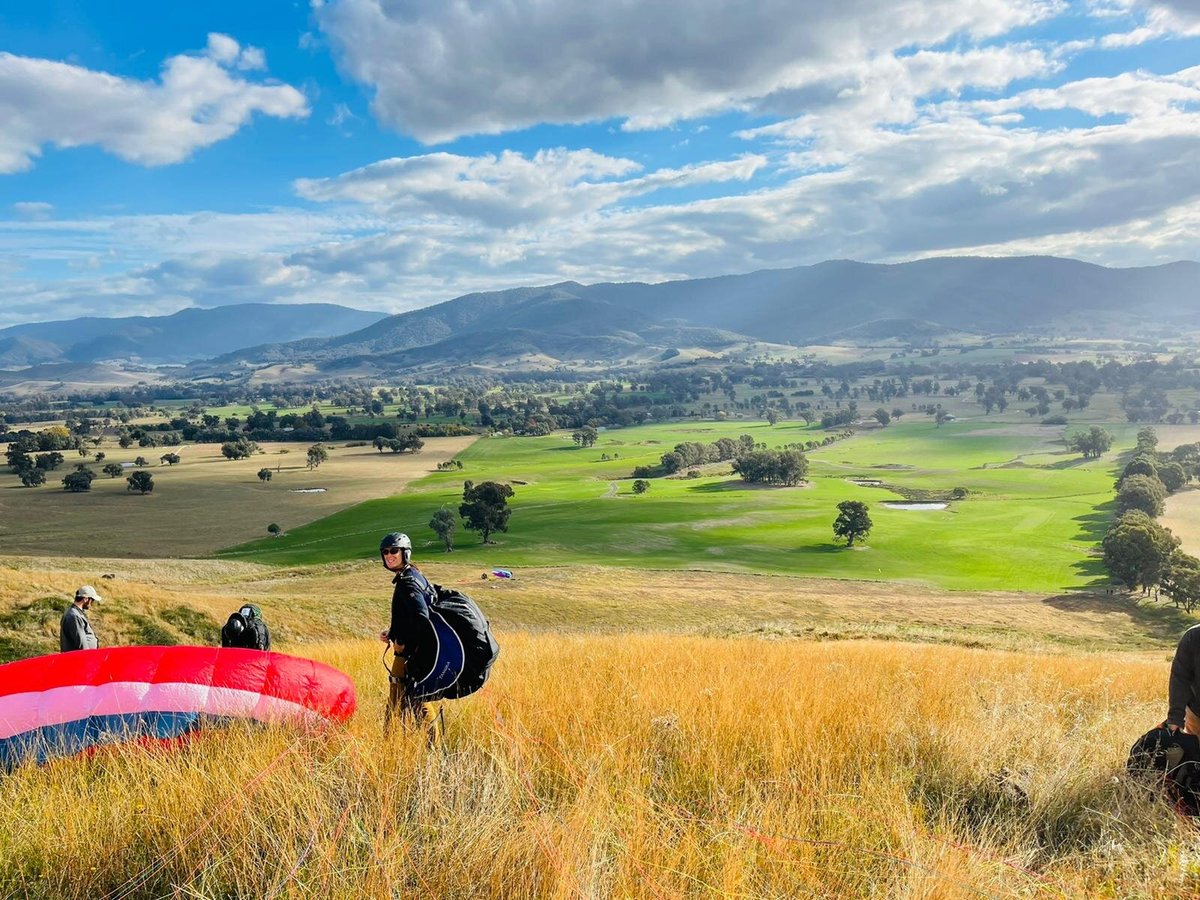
1032	518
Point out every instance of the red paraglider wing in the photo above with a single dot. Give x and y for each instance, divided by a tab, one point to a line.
64	703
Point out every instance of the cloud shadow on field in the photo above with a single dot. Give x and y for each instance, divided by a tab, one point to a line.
1157	621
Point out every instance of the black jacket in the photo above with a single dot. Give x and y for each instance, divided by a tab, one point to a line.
1184	689
410	609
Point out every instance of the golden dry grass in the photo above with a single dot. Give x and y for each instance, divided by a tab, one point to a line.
643	766
204	503
322	603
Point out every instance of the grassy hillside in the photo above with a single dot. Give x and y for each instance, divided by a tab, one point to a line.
1032	516
643	766
185	601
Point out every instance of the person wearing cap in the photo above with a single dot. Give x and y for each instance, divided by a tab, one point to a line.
75	631
409	631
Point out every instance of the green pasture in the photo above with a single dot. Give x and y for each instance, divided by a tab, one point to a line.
1031	521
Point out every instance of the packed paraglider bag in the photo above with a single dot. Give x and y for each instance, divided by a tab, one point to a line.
1169	763
480	649
246	628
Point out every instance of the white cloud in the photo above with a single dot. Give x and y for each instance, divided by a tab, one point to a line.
441	70
511	189
33	210
197	102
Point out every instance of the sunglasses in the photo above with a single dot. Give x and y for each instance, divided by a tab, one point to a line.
392	551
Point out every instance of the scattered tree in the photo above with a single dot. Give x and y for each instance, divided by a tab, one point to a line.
264	475
169	458
852	521
273	530
485	507
33	477
141	461
443	524
882	416
112	470
585	437
240	449
142	482
1092	443
640	486
79	481
317	454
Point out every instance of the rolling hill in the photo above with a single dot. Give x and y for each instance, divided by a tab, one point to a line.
187	335
571	322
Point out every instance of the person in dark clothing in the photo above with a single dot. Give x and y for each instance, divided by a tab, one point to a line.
1183	693
410	632
75	631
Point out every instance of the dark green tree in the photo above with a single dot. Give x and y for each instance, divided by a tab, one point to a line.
264	475
1137	550
33	477
852	521
1181	580
443	524
1144	492
142	482
273	530
79	481
640	486
585	437
112	470
485	507
1093	443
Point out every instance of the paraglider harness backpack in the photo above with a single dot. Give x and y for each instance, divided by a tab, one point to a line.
1170	763
246	628
463	648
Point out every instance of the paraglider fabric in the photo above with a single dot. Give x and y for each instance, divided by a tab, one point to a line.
69	702
447	664
502	573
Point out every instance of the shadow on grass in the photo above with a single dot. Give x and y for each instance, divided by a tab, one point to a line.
1157	621
1094	525
1072	463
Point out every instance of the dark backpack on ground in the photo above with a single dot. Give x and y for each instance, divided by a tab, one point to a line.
246	628
480	649
1170	762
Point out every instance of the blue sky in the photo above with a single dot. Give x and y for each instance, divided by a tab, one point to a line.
389	154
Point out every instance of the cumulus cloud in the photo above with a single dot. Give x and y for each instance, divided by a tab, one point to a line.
198	101
510	189
441	70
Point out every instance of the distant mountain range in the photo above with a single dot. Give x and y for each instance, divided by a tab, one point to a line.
571	323
838	300
188	335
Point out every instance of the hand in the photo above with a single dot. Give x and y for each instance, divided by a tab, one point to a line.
1172	728
383	636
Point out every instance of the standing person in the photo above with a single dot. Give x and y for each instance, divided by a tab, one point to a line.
410	632
1183	692
75	631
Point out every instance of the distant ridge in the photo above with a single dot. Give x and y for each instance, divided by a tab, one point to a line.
187	335
840	298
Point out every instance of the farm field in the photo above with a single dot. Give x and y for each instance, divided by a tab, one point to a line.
1031	518
644	765
203	503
